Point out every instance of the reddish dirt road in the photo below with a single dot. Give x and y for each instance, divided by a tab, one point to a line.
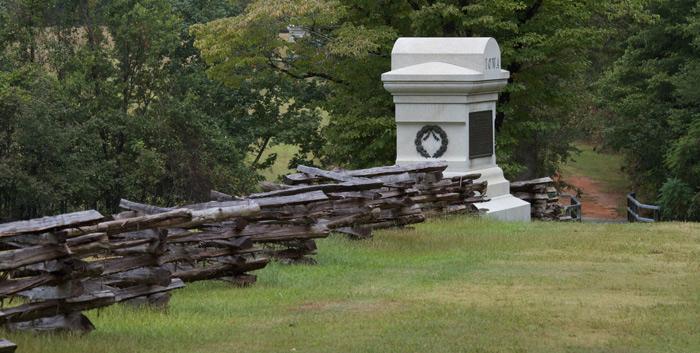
595	203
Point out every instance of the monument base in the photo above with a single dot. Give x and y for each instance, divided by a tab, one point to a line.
506	208
502	205
498	185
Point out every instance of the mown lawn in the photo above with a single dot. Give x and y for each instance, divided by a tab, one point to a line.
454	285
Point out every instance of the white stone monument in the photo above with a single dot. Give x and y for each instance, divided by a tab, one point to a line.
445	91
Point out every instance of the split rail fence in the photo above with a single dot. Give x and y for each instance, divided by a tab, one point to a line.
54	268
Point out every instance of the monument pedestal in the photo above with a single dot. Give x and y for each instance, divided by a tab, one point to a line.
507	208
502	205
445	91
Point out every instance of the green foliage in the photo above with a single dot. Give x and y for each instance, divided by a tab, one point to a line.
651	100
348	43
108	99
273	115
35	152
376	135
683	156
676	199
249	50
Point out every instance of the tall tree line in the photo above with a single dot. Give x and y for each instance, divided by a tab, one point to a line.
161	100
547	46
650	102
103	99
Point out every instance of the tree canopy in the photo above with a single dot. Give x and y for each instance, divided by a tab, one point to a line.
162	100
347	45
652	104
107	99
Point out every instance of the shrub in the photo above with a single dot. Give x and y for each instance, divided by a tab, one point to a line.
675	199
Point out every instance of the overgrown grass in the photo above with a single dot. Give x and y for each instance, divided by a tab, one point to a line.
455	285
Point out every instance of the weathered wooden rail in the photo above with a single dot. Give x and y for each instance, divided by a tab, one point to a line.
546	201
542	196
396	196
572	211
7	346
63	265
636	210
314	202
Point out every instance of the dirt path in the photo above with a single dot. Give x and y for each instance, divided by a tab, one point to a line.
595	203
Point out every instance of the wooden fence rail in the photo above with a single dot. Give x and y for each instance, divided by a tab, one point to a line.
60	266
636	210
572	211
63	265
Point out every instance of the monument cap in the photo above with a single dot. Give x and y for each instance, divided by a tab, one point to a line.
480	56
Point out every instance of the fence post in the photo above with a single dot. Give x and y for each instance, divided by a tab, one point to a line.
630	207
657	214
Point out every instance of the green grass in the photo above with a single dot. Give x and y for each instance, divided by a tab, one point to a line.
285	153
602	167
455	285
281	166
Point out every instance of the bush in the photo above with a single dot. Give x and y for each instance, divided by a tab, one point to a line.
676	198
694	210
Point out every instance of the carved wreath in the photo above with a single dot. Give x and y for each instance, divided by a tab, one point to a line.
437	133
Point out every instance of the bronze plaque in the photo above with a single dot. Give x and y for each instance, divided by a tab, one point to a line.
480	134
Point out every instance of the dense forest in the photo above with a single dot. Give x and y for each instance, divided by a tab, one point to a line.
163	100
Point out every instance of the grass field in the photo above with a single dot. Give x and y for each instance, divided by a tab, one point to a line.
284	155
454	285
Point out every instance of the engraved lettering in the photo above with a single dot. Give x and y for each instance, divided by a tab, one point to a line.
492	63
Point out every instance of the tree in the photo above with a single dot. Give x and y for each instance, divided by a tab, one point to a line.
652	113
347	44
35	171
108	99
